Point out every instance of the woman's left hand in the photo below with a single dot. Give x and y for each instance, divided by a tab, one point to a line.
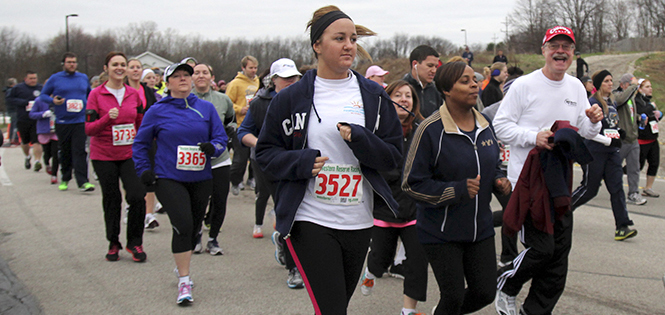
503	185
345	132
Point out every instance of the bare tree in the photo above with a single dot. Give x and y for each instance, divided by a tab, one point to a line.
621	16
530	20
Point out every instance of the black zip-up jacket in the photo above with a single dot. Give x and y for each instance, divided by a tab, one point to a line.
643	106
20	96
441	159
429	97
492	92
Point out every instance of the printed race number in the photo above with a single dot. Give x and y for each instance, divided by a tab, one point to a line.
123	134
74	106
52	123
339	185
29	107
654	126
612	133
190	158
505	155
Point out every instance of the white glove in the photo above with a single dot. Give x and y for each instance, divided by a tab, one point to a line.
47	113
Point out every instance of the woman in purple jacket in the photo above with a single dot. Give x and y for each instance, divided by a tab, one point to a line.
46	135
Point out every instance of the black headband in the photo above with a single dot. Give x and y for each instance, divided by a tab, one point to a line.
599	78
321	24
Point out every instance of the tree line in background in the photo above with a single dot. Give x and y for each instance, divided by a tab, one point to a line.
597	24
20	52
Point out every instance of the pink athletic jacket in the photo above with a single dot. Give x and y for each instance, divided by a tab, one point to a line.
111	139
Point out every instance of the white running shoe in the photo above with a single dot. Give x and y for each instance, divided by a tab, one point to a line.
150	221
198	248
366	285
184	294
504	304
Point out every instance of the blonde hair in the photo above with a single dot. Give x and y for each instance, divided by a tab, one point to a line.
455	59
361	31
487	72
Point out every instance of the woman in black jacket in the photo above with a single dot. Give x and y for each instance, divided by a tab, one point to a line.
648	134
493	92
451	169
388	228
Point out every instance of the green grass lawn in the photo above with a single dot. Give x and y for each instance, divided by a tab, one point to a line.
652	67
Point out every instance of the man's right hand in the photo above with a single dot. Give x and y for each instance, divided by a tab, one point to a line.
58	100
542	139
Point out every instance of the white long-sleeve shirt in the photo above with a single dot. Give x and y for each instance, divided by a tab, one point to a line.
533	104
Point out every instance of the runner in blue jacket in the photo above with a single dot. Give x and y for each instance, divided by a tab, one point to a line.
188	133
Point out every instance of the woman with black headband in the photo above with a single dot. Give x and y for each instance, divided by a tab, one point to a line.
606	164
324	140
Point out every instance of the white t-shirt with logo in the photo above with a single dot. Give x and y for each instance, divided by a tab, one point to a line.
340	197
533	104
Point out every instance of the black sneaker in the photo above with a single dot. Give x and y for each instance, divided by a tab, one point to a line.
112	255
137	253
397	271
27	163
623	233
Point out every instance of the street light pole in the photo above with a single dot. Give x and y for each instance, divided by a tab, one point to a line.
67	30
465	44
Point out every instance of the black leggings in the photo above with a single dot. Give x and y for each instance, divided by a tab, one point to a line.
330	262
51	153
264	189
382	251
220	193
185	203
650	152
239	163
108	173
71	138
453	263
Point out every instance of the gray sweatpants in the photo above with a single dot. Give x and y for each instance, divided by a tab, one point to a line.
631	153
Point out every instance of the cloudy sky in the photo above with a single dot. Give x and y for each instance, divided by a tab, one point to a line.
483	19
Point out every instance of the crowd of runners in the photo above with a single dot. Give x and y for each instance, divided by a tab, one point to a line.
368	178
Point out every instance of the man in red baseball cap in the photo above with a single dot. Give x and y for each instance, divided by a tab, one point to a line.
534	102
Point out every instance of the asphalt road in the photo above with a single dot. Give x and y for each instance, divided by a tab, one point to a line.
54	244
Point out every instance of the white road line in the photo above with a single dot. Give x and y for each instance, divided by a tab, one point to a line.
4	179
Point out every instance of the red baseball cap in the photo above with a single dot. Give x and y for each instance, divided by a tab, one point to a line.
558	30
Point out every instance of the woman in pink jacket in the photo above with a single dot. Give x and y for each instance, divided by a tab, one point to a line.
113	116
